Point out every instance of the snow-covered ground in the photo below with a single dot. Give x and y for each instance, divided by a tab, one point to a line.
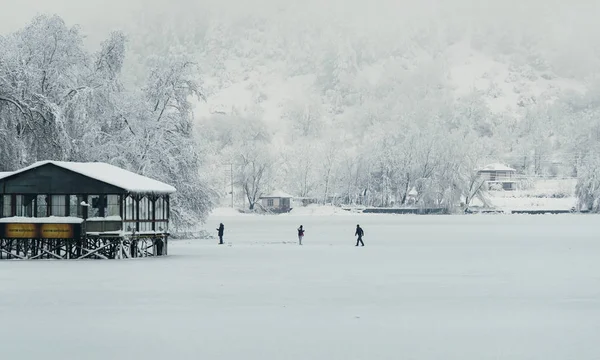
424	287
546	194
507	203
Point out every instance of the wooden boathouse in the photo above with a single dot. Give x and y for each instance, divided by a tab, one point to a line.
69	210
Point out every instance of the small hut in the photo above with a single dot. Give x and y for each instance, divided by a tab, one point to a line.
66	210
278	201
499	176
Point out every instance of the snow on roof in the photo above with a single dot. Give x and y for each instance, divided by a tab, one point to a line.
277	194
41	220
109	174
106	218
4	174
497	167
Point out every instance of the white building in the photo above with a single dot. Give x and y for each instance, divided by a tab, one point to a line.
499	176
277	201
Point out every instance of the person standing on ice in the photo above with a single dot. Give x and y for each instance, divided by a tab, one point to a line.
300	234
221	231
360	233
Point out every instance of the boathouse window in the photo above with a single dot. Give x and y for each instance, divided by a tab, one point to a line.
161	215
129	208
94	208
42	206
6	208
58	205
112	205
129	214
75	208
150	209
160	209
145	214
24	205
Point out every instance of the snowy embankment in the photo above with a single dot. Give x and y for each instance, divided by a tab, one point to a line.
423	287
316	210
546	194
319	210
532	203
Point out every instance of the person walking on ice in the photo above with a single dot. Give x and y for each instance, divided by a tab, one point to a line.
221	230
360	233
300	234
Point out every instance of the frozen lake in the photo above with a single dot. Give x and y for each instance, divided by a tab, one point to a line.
423	287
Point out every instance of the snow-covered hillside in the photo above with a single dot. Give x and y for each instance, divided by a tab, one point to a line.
507	87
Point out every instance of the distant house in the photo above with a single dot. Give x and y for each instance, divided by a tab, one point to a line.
277	201
411	197
499	176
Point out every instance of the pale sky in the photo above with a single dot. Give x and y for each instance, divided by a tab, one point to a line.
97	17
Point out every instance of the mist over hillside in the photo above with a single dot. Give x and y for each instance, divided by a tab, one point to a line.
368	100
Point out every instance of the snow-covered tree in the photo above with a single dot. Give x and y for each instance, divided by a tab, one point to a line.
588	185
254	170
58	101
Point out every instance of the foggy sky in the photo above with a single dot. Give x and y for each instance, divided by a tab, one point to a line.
98	17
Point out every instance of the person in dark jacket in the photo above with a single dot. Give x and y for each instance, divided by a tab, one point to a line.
360	233
221	230
300	234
